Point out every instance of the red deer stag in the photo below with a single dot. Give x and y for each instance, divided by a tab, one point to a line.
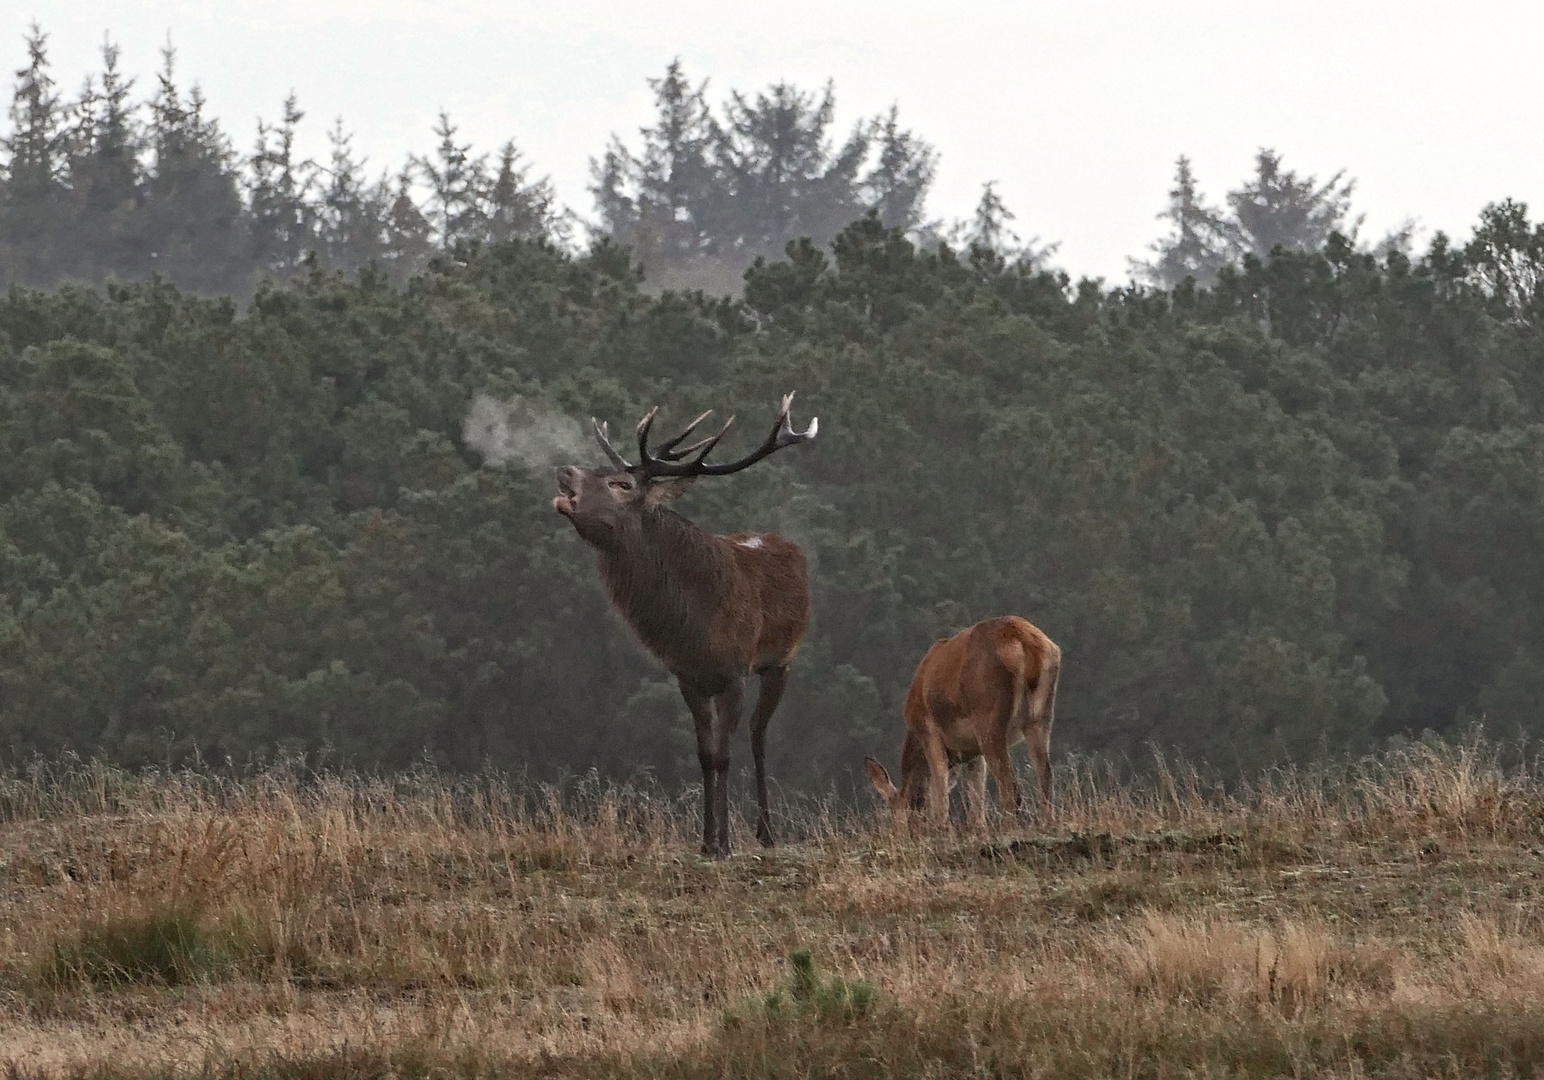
973	696
713	609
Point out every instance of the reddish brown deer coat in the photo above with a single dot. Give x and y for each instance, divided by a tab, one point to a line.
972	697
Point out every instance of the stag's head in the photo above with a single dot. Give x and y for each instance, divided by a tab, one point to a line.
603	503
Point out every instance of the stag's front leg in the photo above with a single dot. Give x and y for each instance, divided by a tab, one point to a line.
727	704
701	707
773	680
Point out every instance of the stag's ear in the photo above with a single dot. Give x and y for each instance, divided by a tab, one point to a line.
666	488
880	779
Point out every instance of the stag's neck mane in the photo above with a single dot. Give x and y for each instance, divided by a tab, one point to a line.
666	576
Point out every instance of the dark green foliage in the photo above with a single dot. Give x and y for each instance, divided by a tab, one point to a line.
1295	511
808	998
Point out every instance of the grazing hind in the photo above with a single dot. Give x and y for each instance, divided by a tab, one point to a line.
973	696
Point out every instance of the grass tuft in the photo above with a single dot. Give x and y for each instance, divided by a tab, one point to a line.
168	946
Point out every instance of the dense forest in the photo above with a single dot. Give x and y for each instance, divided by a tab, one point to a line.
1286	496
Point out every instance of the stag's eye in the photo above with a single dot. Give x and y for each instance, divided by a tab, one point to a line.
621	485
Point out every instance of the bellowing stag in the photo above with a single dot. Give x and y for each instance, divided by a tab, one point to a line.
973	696
713	609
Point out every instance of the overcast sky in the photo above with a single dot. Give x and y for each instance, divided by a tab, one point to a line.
1077	109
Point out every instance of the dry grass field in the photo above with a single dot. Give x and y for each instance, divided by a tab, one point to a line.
1377	918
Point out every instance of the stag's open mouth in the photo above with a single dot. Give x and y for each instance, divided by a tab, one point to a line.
566	498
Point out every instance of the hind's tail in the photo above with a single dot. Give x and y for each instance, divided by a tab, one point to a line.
1040	703
1032	659
1039	709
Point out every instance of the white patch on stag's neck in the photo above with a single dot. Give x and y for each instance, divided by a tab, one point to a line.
751	542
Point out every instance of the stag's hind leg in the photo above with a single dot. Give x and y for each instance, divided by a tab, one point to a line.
773	682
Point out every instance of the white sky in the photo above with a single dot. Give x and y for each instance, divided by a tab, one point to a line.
1078	108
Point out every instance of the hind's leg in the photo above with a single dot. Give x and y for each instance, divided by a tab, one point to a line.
975	792
938	777
1038	741
996	754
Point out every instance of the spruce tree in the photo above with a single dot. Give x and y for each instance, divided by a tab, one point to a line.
516	208
408	238
1202	240
351	215
780	171
901	176
1278	209
196	225
702	198
457	183
105	176
283	221
665	201
32	211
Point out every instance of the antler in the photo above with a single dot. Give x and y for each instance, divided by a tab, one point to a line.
605	444
669	461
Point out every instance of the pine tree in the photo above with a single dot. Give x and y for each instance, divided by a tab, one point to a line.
1202	242
1506	259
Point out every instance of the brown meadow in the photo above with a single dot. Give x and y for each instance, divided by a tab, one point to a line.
1380	917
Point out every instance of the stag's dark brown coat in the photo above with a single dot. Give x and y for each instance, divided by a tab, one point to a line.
713	609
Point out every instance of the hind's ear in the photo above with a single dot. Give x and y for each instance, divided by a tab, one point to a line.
880	779
661	491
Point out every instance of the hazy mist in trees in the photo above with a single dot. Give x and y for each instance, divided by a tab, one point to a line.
1289	498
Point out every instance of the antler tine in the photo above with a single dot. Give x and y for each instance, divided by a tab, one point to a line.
647	422
605	444
668	451
702	445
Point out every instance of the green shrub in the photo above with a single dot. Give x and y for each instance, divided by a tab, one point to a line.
805	995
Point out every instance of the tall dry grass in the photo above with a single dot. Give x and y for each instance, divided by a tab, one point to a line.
1373	916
